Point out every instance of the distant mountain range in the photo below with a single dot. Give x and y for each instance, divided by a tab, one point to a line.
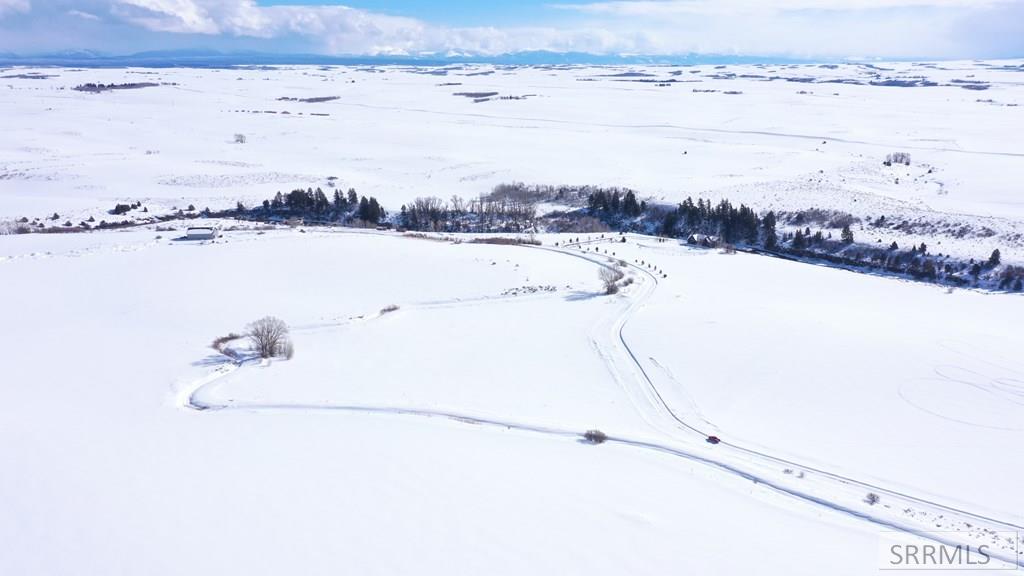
214	59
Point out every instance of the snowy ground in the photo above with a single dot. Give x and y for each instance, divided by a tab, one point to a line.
444	436
775	137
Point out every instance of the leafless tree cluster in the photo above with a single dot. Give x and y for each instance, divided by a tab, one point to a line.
898	158
534	193
483	214
818	217
269	336
610	278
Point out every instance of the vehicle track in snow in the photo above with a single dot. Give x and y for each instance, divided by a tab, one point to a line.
836	492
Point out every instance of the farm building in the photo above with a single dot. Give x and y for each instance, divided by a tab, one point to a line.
201	233
702	240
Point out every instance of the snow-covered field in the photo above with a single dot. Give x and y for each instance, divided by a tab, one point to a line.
431	419
444	436
776	137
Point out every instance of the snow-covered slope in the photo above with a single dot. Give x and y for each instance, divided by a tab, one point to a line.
445	436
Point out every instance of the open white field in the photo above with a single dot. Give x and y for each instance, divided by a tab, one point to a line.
912	384
775	137
444	436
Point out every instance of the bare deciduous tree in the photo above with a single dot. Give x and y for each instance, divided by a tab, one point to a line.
610	277
269	336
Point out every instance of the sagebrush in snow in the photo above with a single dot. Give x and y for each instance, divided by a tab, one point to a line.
218	343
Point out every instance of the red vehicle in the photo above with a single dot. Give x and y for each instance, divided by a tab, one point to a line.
714	439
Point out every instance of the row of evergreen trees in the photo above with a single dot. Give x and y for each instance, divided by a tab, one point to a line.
315	203
742	225
738	225
615	204
730	223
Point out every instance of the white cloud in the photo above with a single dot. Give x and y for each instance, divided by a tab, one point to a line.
657	8
11	6
83	15
181	16
815	28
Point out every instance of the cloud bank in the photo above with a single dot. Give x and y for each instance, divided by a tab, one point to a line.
801	28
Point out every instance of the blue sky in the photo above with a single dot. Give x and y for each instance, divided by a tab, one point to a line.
825	29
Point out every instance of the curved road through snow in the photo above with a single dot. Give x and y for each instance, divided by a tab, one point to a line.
901	511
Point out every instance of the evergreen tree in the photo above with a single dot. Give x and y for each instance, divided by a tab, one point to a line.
320	202
630	206
364	209
669	223
299	200
799	242
847	235
771	238
374	211
995	258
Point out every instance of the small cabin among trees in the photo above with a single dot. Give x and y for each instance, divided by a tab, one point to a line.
702	240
